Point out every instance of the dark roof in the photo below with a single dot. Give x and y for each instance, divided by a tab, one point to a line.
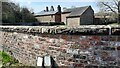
77	11
42	13
68	10
74	12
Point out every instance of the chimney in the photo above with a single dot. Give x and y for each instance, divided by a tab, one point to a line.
47	9
59	8
52	8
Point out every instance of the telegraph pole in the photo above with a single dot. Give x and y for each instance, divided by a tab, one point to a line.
119	12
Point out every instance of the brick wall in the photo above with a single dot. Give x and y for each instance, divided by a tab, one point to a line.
58	18
66	50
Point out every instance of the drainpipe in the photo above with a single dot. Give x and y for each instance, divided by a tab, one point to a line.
66	22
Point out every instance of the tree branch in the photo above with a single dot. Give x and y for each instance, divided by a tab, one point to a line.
116	2
109	7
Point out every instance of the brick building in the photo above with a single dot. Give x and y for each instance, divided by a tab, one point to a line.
49	15
78	16
71	17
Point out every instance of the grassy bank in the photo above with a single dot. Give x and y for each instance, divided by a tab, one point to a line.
4	57
7	60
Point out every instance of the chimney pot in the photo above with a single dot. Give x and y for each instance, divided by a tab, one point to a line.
47	9
59	8
52	8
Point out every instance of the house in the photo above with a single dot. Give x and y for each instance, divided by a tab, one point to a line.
71	17
49	15
78	16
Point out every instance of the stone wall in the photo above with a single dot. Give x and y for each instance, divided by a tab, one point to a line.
66	50
78	30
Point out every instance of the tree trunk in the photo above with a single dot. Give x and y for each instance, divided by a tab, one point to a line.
119	12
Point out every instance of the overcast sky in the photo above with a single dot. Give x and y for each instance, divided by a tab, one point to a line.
39	5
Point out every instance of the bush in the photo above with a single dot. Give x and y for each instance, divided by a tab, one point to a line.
55	23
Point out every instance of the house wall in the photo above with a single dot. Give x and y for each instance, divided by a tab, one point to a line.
49	18
63	17
73	21
87	18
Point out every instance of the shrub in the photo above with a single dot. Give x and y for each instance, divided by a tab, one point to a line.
55	23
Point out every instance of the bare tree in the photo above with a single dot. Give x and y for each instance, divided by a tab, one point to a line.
111	6
107	7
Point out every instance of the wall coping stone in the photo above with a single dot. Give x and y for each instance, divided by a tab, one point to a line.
78	30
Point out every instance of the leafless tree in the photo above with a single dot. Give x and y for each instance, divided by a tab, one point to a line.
110	6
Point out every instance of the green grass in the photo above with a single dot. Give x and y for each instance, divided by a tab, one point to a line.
114	24
5	57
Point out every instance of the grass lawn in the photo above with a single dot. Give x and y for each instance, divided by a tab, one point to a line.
5	58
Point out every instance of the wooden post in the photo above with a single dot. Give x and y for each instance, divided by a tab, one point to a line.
119	12
0	13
